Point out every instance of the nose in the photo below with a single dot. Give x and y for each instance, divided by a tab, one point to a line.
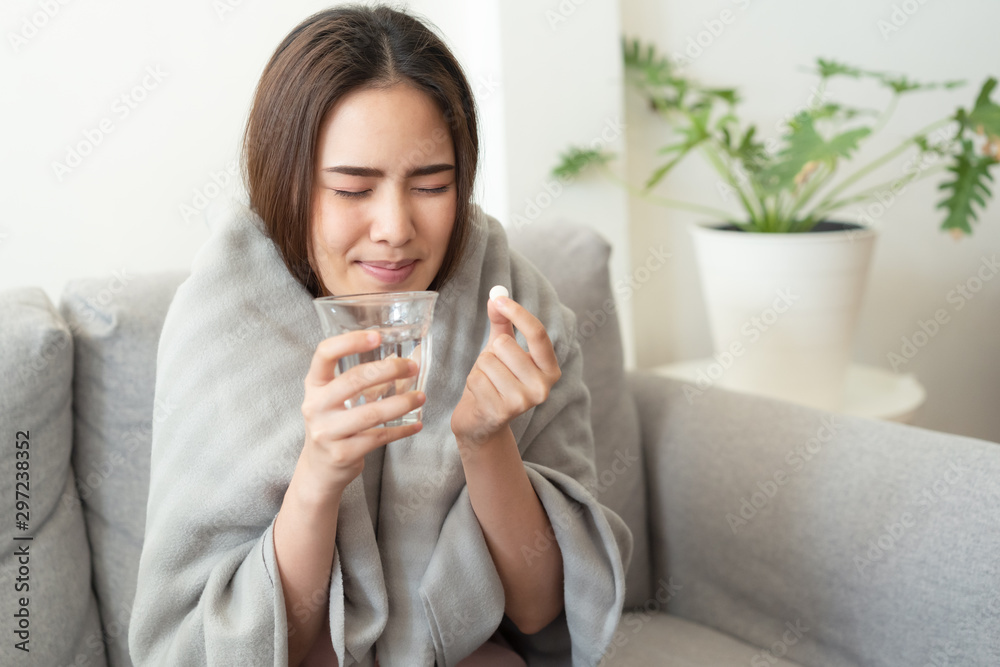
393	220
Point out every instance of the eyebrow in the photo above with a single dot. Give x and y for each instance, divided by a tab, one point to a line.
372	172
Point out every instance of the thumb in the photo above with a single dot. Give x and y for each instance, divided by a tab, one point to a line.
499	324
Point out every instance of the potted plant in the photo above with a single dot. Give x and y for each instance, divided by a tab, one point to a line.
783	282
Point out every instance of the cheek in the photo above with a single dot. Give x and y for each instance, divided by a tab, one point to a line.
333	229
445	221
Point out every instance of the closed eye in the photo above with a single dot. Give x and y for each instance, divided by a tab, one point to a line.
351	195
364	193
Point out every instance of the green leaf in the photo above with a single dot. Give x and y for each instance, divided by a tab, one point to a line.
804	145
727	138
926	147
986	113
845	143
663	171
747	141
752	154
644	63
830	68
728	95
576	160
969	188
724	122
898	83
839	112
694	136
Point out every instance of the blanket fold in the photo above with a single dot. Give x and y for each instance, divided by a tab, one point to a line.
412	579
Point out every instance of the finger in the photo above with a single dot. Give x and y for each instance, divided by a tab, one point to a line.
534	382
513	396
539	344
499	323
404	385
375	392
348	451
374	438
407	384
345	424
369	379
485	395
323	367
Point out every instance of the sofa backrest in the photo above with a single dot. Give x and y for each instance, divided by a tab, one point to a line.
832	539
48	604
116	325
575	259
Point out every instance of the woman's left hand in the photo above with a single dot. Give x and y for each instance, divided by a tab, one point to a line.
506	381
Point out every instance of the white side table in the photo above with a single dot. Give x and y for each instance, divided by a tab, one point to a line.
869	391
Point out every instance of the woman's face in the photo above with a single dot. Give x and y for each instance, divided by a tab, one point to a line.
384	198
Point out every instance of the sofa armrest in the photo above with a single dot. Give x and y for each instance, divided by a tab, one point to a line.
838	540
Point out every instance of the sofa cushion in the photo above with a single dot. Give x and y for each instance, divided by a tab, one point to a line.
117	325
575	260
645	638
36	375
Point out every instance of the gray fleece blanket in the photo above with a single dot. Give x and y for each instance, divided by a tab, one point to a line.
411	577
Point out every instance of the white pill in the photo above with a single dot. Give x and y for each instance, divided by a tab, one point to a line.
498	291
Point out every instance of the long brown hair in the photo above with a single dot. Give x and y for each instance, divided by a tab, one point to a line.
330	54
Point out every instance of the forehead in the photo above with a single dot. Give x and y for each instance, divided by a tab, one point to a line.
384	127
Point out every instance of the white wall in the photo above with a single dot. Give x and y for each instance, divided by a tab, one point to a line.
548	75
563	84
915	266
145	193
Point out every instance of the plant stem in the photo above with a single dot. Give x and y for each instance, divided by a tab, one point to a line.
886	115
783	209
663	201
824	173
872	166
866	194
726	173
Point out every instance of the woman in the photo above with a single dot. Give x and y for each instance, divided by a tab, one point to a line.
468	539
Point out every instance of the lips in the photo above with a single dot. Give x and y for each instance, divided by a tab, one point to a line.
389	272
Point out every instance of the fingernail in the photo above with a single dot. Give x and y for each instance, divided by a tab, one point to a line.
372	337
412	365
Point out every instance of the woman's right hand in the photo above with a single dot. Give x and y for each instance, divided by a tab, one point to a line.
338	438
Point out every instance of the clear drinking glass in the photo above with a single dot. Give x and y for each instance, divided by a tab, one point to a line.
404	321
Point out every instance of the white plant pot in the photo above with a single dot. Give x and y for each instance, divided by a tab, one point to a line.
783	308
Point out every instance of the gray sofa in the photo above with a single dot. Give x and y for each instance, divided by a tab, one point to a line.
765	533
